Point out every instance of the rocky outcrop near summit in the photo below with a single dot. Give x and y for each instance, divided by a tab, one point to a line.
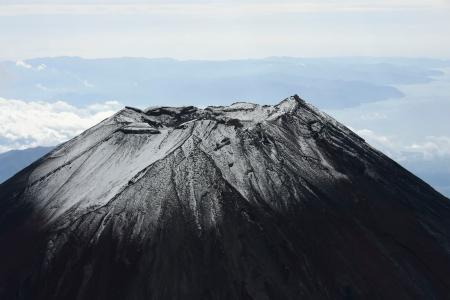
237	202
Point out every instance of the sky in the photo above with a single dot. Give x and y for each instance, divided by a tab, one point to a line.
224	29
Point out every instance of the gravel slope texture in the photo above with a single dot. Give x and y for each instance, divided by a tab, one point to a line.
237	202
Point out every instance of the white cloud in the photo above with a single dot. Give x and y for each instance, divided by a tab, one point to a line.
21	63
218	7
29	124
212	29
429	148
87	84
41	67
386	144
432	147
24	64
378	139
373	116
42	87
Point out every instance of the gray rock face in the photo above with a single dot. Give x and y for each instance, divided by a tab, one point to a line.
238	202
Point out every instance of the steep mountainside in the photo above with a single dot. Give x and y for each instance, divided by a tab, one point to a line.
238	202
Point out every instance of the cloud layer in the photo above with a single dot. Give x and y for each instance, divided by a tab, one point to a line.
209	7
428	148
216	8
224	29
29	124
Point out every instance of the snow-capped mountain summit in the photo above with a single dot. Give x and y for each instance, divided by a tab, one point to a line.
237	202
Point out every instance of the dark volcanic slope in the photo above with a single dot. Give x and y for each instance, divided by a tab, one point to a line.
238	202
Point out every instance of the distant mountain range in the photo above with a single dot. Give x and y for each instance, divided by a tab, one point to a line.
435	172
13	161
329	82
